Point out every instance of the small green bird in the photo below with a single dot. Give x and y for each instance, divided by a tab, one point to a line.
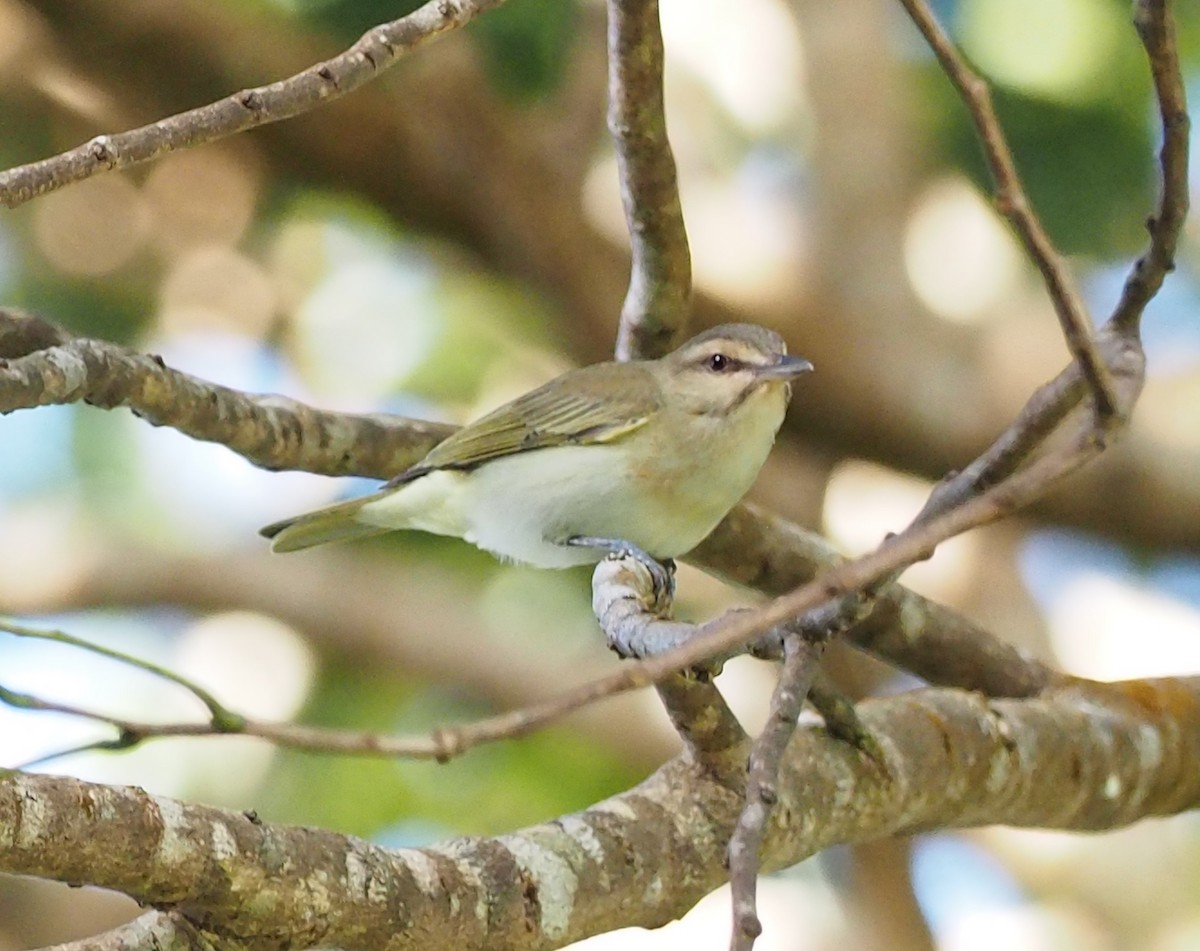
645	457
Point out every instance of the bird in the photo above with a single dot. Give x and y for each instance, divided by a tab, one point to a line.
643	457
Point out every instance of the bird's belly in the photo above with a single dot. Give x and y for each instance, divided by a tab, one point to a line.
526	506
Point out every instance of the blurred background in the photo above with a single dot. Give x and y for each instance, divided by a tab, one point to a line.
452	236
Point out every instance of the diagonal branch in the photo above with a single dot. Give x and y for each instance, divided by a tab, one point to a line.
377	50
1156	27
759	550
660	284
1014	205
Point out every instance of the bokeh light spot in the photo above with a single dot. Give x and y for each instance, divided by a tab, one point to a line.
865	501
91	228
961	260
1056	49
201	197
215	287
366	326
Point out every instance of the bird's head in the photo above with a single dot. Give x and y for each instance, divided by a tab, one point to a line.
717	372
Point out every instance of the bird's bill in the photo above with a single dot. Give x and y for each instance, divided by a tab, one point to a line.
787	368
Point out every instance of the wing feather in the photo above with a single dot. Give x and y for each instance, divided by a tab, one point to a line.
598	403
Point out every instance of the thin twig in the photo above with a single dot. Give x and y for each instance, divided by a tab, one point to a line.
800	645
1013	203
757	549
377	50
441	744
1156	26
223	719
660	283
801	655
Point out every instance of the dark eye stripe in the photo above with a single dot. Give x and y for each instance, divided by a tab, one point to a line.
721	363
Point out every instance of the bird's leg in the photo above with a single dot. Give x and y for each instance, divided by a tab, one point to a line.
663	572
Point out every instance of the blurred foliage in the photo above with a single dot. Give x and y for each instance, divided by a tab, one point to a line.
1079	129
27	131
111	307
493	788
347	19
1067	156
471	341
525	42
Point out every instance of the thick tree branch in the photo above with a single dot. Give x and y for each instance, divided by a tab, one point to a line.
271	431
1089	757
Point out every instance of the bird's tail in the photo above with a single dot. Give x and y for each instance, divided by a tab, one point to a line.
336	523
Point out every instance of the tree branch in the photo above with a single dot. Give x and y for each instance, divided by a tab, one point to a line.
660	285
377	50
271	431
153	931
801	656
1013	203
1080	757
1155	24
760	550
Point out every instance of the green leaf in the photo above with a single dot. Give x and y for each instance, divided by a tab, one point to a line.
526	45
1086	166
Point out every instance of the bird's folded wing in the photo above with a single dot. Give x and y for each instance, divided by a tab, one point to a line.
600	403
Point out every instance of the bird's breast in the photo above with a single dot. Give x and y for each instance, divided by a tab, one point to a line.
663	487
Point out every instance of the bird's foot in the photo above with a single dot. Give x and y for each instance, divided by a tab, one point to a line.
661	572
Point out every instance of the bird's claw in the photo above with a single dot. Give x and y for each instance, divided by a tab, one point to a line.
662	573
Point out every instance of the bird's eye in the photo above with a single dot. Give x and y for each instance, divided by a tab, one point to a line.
719	363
